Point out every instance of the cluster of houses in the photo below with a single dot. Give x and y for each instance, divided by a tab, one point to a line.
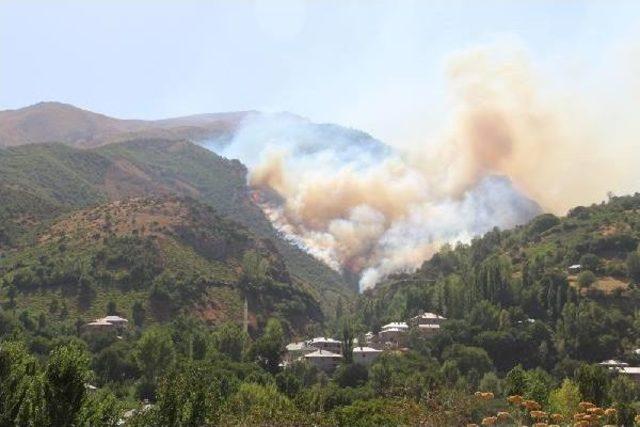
326	353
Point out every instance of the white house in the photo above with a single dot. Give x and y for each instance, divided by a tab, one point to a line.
575	268
396	325
612	363
632	371
116	320
427	319
295	350
324	360
99	325
324	343
107	323
365	355
427	323
393	334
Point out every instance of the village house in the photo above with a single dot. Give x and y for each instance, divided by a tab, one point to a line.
365	355
623	368
393	334
296	350
108	323
427	319
613	364
427	323
324	343
574	269
324	360
632	372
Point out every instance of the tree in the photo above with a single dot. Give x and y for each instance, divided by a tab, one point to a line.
351	375
190	396
633	266
65	375
22	385
490	382
155	353
515	381
468	358
565	399
229	339
255	404
100	409
381	376
593	382
288	383
347	341
111	308
269	348
138	313
12	292
375	412
539	382
622	393
590	262
586	278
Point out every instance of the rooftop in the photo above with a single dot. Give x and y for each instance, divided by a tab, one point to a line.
366	350
296	346
632	370
429	316
322	353
114	319
613	362
100	322
398	325
318	340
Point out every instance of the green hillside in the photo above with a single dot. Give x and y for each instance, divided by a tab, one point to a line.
171	255
42	181
507	285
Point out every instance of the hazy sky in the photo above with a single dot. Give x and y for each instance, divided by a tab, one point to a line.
368	64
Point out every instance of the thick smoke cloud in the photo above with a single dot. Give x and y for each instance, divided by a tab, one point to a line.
357	204
366	208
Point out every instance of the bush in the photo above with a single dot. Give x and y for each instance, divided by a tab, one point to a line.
490	382
590	262
351	375
633	266
255	404
586	279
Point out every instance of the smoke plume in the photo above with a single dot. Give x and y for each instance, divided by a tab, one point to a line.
370	209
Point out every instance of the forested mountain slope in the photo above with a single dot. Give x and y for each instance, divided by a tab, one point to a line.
39	182
513	294
170	255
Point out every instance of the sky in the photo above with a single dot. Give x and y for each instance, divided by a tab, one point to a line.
373	65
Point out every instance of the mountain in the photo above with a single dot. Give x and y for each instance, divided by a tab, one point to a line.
57	122
40	182
173	255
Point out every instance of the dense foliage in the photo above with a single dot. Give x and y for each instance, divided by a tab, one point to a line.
520	324
40	183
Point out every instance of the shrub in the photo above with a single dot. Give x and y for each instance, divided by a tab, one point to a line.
586	279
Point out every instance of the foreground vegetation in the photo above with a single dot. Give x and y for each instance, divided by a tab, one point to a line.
521	343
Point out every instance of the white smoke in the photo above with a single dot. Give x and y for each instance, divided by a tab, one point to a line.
367	208
357	204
